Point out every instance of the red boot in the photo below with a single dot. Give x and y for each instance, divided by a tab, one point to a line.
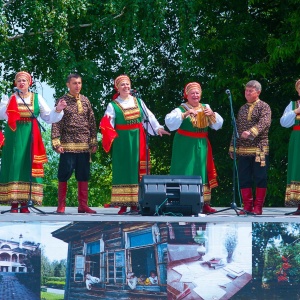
14	207
24	209
247	200
207	209
259	201
83	198
122	210
297	212
134	209
62	194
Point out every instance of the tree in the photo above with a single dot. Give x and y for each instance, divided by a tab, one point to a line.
45	267
52	269
60	268
275	259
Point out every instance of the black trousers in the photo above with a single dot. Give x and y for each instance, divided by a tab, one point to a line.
78	162
251	172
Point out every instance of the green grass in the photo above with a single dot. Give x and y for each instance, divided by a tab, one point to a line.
50	296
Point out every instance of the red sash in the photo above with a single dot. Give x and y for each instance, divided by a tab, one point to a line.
142	152
108	133
211	169
13	113
2	139
296	127
39	156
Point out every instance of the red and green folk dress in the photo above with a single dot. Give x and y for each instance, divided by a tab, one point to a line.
291	119
191	152
123	128
18	166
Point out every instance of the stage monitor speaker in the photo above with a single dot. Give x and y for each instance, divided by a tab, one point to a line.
171	194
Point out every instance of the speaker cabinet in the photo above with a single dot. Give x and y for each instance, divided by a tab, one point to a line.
170	195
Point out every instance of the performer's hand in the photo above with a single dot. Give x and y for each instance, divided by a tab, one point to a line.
61	105
245	134
161	131
190	112
208	111
297	111
94	149
59	150
231	155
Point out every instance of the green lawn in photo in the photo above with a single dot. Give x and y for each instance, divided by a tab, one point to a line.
50	296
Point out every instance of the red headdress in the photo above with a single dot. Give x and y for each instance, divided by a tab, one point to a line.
118	81
24	74
190	86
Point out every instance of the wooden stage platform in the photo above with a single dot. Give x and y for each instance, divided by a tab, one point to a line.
274	214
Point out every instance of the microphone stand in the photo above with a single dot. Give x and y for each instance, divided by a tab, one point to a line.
235	136
30	203
147	121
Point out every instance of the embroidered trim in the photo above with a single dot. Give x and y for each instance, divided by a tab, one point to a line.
78	101
251	107
206	193
254	131
126	194
94	142
56	143
23	110
19	191
292	194
130	113
75	146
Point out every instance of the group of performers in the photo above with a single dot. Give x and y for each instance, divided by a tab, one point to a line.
74	137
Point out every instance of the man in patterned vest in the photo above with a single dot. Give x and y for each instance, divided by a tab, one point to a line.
75	138
252	148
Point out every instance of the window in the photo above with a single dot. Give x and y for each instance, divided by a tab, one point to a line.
93	248
145	253
92	257
140	238
79	268
115	267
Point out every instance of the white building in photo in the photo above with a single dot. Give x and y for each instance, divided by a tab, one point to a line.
13	254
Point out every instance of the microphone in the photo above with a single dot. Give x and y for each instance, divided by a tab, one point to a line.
17	90
133	92
227	92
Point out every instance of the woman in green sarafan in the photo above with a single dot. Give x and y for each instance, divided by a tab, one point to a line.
291	118
23	153
123	127
191	153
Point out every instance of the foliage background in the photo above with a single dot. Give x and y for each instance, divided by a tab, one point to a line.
271	242
161	45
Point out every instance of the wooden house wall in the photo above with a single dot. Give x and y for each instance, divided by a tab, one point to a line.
112	234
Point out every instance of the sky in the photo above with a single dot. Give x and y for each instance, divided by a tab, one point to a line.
38	232
54	249
47	92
